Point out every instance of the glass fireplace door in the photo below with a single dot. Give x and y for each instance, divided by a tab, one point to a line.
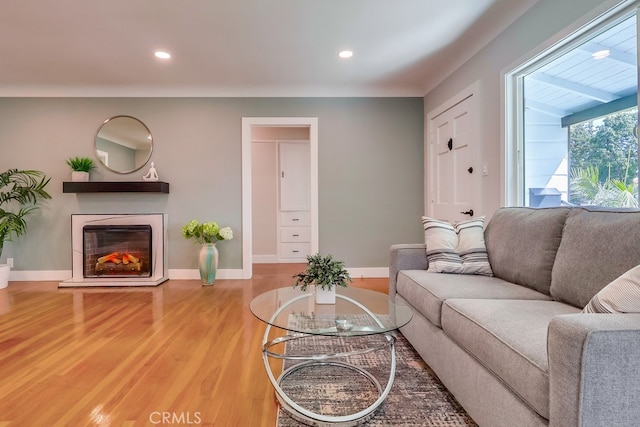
117	251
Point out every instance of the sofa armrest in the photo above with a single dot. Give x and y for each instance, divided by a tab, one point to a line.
594	370
408	256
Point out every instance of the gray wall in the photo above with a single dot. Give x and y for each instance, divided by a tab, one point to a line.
370	172
541	23
121	158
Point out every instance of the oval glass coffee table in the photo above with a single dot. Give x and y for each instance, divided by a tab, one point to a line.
356	313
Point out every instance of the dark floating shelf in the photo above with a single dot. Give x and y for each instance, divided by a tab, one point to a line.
116	187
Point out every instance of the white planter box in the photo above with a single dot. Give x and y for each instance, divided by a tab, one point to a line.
324	296
4	275
79	176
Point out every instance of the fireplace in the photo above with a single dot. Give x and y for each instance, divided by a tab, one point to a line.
118	250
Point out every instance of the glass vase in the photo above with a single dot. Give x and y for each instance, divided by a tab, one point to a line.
208	263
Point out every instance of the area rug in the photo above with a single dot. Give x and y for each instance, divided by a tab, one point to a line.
417	397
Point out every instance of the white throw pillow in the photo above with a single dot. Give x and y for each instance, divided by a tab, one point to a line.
458	248
620	296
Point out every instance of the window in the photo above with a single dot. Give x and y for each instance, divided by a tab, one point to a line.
575	118
603	154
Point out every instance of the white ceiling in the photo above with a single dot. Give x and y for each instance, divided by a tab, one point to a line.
241	47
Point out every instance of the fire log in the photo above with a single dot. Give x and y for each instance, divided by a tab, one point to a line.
108	258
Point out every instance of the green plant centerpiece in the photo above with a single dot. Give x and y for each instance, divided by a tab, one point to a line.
324	272
20	191
206	232
81	164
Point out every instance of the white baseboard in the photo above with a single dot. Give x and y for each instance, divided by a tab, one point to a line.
176	274
39	275
60	275
193	274
369	272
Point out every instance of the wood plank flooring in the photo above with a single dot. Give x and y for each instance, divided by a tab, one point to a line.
177	354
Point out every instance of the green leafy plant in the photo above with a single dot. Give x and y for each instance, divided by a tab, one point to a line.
588	189
323	271
207	232
81	164
20	190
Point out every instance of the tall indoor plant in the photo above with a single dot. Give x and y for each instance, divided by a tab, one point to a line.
325	273
20	192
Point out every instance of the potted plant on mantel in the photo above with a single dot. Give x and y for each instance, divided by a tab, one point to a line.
80	167
21	190
325	273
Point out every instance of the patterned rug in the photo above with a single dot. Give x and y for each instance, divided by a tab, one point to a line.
417	397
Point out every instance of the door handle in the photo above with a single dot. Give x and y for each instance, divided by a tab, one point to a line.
469	212
470	170
450	144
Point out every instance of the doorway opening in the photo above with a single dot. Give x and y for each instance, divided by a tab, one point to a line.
288	209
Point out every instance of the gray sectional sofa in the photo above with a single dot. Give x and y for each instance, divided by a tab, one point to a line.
515	349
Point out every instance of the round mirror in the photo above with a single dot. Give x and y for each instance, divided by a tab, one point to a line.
123	144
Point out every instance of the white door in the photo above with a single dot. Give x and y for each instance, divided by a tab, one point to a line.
454	163
295	182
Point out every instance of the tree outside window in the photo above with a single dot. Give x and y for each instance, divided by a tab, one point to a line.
603	160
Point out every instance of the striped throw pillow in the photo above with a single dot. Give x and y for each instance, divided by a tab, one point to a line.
620	296
458	248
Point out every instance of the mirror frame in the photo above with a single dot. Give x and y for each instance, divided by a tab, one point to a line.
137	167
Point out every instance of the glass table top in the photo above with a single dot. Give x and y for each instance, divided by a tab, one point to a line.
356	312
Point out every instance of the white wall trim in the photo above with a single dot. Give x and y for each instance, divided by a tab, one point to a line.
60	275
39	275
199	91
247	124
368	272
178	274
194	274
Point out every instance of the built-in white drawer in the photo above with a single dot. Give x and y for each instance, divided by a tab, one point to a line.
295	218
294	250
295	234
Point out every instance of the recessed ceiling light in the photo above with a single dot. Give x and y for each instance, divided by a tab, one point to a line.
162	54
601	54
344	54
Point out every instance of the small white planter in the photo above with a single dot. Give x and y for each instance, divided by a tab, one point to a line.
325	296
79	176
4	275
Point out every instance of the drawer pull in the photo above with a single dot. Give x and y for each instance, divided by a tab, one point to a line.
295	251
295	219
295	235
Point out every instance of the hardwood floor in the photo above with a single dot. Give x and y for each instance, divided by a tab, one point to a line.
176	354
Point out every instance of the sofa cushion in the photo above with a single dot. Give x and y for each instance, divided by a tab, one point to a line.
620	296
456	248
522	244
427	291
596	248
509	338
